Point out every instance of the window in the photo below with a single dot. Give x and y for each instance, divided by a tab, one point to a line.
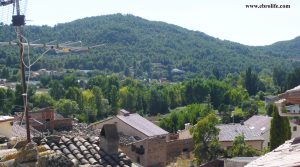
140	150
295	128
133	148
138	160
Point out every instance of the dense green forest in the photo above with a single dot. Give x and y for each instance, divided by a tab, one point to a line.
147	49
214	75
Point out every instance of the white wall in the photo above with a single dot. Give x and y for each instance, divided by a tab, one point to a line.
297	132
6	129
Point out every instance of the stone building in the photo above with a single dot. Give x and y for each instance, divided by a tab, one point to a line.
262	124
47	119
143	141
150	152
227	134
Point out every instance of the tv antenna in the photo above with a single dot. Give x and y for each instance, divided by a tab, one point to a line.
18	21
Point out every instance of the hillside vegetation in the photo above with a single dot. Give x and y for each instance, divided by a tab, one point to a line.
142	48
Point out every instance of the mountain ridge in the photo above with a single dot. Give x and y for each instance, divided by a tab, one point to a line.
136	43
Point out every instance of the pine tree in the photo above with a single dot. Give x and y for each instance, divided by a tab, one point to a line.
251	82
280	129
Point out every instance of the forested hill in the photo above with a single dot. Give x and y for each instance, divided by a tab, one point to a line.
146	48
290	49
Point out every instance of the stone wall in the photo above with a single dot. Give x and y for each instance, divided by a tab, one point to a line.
177	147
151	152
257	144
62	124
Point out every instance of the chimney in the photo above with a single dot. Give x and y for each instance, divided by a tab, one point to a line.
109	139
187	126
124	112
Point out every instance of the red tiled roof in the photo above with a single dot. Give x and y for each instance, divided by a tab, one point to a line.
85	151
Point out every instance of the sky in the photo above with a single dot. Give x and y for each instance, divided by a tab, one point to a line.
223	19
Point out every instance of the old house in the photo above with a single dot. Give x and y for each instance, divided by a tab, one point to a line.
143	141
228	132
288	101
132	125
261	124
47	119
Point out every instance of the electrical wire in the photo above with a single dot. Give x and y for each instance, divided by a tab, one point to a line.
40	57
29	65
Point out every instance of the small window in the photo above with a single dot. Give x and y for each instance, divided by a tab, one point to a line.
11	123
268	143
138	160
133	148
295	128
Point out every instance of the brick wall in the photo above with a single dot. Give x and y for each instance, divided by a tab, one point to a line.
43	114
45	119
62	124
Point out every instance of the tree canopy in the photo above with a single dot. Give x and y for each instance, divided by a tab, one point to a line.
205	136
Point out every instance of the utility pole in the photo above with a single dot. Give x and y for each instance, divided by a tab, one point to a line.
18	21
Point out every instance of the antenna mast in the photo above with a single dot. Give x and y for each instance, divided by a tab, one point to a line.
18	21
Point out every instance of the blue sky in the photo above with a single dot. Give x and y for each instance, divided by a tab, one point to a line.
224	19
